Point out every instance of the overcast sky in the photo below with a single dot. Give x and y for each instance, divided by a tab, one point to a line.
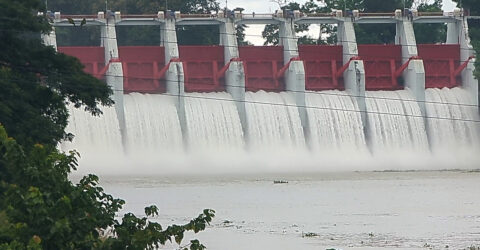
253	33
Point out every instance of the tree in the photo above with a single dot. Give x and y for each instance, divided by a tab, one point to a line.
39	207
37	82
240	30
271	31
379	33
430	32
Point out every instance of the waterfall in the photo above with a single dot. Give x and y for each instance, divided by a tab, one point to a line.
273	121
152	125
450	120
213	137
395	122
212	122
334	122
97	138
102	132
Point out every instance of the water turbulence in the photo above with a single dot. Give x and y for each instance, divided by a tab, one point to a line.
152	125
212	122
452	120
273	121
334	122
395	122
97	138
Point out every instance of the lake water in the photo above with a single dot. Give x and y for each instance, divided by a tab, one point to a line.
350	210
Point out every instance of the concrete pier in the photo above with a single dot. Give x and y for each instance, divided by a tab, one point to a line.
414	74
174	76
114	73
354	75
235	74
295	74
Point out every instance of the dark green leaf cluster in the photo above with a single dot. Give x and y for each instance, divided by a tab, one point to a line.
36	82
41	209
39	203
140	233
271	32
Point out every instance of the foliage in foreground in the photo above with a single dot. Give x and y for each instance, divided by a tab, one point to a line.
36	83
41	209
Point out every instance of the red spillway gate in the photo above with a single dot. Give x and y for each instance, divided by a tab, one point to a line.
322	62
92	58
261	64
381	63
142	67
440	62
202	66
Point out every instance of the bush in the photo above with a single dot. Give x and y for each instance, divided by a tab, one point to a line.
40	208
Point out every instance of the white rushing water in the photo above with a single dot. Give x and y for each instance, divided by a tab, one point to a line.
451	120
273	121
97	138
334	122
212	122
213	140
152	125
395	123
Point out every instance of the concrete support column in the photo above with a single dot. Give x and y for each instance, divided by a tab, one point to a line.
354	75
295	74
50	39
175	76
414	74
114	74
235	75
457	33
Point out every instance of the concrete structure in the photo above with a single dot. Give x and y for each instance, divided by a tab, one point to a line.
174	76
284	67
354	75
114	73
295	74
457	33
414	74
50	39
235	75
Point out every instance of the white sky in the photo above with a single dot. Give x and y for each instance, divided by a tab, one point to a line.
253	32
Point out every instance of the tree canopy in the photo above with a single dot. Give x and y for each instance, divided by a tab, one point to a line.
40	208
36	81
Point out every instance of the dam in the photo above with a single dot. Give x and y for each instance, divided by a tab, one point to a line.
326	101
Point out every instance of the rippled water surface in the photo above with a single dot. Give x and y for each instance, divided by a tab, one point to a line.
356	210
